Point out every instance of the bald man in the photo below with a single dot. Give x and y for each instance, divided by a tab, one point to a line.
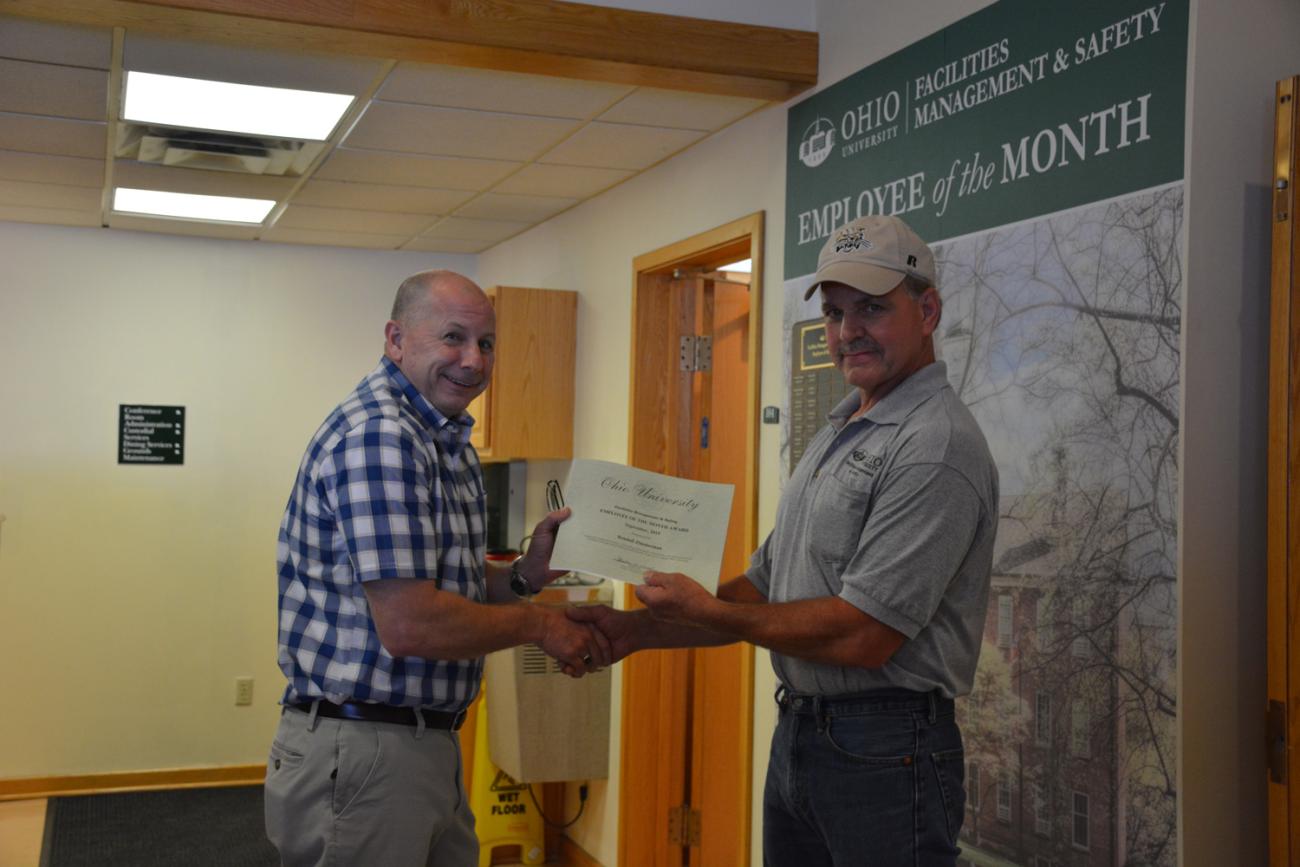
386	606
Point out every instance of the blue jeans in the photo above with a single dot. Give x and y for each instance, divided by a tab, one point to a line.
872	780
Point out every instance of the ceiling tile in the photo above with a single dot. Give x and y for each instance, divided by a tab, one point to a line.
577	181
42	169
286	235
487	90
620	146
61	91
453	132
679	109
380	197
530	209
245	65
52	135
347	220
66	44
446	245
129	173
184	227
448	173
464	229
53	216
58	196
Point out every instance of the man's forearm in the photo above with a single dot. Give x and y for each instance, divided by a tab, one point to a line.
827	630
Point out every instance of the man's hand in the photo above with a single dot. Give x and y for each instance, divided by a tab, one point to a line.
674	597
620	628
538	559
578	648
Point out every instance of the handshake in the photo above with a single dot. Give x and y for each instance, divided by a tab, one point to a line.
586	638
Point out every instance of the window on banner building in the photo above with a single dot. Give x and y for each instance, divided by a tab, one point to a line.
1042	821
1004	797
1080	726
1079	821
1043	718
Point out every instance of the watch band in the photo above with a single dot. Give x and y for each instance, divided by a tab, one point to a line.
518	583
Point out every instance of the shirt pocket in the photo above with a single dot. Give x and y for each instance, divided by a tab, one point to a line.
840	508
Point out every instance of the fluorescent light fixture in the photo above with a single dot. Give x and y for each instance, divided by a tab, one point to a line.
195	103
744	266
190	206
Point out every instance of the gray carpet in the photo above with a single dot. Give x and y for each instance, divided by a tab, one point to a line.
177	828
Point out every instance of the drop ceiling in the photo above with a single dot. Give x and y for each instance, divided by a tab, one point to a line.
430	157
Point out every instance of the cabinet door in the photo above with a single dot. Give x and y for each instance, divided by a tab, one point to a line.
527	410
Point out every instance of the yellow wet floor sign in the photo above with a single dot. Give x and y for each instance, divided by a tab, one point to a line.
504	814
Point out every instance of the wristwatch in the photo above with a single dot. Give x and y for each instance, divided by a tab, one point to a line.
518	583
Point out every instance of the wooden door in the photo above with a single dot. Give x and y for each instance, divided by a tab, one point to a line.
687	714
1283	494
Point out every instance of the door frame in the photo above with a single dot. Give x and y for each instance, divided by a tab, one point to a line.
1283	697
664	677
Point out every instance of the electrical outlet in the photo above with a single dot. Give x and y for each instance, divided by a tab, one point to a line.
243	690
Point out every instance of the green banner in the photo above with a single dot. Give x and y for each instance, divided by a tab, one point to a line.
1021	109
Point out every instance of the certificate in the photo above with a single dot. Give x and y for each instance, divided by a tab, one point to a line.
626	521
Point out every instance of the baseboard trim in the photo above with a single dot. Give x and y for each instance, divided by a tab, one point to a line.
575	855
20	789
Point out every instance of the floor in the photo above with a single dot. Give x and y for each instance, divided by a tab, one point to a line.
22	824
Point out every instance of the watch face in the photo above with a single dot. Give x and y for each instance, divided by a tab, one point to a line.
519	584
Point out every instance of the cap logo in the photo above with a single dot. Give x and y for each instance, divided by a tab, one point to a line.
911	261
853	239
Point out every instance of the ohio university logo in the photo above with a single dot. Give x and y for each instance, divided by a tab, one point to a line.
817	143
852	239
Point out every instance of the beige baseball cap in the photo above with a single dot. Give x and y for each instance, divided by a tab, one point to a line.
872	255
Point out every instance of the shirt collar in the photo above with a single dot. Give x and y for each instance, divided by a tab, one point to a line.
450	431
899	403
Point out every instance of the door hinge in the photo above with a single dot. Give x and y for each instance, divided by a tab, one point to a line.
1277	747
696	353
683	826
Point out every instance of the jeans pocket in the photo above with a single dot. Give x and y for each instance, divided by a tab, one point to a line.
950	777
357	753
873	739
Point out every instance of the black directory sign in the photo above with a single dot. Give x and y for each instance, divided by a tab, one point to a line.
150	434
816	385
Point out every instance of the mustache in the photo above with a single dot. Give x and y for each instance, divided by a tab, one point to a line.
859	346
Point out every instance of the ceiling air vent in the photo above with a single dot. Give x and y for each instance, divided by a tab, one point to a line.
215	151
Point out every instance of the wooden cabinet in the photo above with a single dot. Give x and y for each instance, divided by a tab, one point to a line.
527	410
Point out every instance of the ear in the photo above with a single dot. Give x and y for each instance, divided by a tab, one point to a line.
931	310
393	340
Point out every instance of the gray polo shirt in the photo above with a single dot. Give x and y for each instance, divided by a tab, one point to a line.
895	513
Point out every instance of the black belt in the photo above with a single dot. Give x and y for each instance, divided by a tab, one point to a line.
875	701
387	713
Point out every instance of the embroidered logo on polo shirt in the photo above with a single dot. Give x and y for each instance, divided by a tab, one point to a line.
862	461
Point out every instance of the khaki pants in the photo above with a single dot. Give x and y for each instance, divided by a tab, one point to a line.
345	792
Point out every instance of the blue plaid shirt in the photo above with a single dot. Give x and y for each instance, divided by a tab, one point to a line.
388	488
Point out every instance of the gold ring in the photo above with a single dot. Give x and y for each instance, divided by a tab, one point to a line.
586	659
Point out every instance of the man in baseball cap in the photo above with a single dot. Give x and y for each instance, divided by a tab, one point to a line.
872	588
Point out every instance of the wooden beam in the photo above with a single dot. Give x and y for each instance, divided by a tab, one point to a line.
546	37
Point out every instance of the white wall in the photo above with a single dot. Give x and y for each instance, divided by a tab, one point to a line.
132	596
1239	50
